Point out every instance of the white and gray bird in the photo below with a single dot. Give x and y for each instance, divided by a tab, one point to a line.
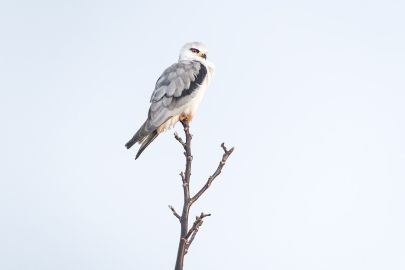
177	95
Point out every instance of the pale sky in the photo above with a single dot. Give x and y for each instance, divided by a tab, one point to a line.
310	93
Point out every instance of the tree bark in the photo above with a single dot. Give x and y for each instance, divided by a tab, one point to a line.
185	233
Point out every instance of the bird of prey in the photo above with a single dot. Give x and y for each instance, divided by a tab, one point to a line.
177	95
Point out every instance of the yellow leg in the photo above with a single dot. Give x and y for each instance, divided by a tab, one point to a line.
181	118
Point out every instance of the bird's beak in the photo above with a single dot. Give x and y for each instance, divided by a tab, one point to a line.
204	56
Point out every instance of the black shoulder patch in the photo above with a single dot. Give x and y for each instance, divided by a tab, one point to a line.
197	82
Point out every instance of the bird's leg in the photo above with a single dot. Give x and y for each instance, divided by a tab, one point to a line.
182	118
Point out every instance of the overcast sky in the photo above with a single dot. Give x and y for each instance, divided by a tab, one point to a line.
310	93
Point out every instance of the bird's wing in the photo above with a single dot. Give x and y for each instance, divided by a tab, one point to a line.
175	87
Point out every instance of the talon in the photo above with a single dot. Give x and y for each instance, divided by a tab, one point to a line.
188	117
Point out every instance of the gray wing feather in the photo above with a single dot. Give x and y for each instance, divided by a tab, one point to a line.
172	75
171	88
174	88
186	79
166	101
155	105
176	79
179	87
168	94
159	93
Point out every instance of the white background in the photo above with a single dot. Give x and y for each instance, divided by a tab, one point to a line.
310	93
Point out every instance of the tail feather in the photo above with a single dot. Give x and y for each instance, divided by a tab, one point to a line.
144	136
130	143
146	142
139	136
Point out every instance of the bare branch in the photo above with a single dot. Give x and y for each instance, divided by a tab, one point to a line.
187	236
189	242
197	223
179	139
174	212
183	179
186	206
223	147
217	172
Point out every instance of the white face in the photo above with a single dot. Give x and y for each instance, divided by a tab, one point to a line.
194	51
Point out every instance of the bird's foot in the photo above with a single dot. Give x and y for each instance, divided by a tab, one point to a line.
184	118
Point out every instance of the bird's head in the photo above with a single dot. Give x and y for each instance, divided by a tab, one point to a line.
193	51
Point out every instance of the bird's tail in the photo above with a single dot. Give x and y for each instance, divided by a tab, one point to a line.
146	142
145	135
130	143
139	135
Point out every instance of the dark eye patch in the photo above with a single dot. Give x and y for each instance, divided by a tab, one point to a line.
193	49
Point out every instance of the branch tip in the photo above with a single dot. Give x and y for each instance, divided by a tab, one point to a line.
174	212
223	147
179	139
217	172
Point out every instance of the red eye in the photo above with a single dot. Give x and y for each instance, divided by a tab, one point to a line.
194	51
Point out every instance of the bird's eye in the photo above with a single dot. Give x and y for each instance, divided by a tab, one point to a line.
194	50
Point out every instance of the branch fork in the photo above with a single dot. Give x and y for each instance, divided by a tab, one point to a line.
193	231
187	236
179	139
183	179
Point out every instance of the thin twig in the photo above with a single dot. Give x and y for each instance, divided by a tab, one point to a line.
223	147
174	212
217	172
197	223
189	242
192	238
179	139
183	179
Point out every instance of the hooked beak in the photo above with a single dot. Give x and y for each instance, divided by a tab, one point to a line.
204	56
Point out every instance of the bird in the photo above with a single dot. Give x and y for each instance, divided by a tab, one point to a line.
178	93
